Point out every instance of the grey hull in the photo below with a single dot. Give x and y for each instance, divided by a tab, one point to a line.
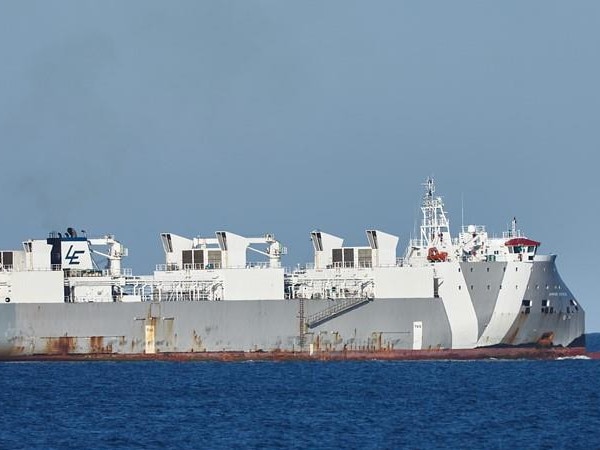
233	326
261	325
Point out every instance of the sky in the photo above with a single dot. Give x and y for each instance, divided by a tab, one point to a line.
141	117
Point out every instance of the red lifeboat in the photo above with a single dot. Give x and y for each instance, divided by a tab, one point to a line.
434	255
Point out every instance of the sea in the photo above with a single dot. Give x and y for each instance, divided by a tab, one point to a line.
495	404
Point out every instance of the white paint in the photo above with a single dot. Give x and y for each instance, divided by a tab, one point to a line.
403	282
417	335
508	304
44	286
252	284
461	314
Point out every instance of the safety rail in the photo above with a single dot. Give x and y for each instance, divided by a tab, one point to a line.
512	234
400	261
89	299
340	307
176	267
52	268
472	229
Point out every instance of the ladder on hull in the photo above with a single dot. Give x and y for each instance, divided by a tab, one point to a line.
336	310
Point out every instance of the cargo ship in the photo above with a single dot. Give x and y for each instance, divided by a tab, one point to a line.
474	295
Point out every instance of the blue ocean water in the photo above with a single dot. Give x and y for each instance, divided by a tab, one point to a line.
303	405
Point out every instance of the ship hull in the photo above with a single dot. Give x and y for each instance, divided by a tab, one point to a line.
416	328
533	353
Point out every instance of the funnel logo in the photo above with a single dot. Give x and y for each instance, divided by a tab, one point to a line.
73	255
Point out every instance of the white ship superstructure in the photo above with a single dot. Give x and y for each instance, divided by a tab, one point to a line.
469	292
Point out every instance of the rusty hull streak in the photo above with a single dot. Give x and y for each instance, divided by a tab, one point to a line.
546	339
97	345
62	347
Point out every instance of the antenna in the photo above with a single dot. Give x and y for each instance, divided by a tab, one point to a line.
462	210
414	233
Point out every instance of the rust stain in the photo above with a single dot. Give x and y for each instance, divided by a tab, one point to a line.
546	339
169	341
512	336
62	345
97	345
197	344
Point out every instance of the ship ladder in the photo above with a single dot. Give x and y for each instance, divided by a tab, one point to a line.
339	308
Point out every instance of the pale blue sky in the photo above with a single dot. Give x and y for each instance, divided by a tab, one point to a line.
139	117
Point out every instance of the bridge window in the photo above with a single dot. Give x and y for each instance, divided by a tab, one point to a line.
348	257
364	257
214	259
336	257
6	258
